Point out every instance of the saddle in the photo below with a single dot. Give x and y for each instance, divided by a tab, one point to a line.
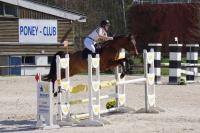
86	52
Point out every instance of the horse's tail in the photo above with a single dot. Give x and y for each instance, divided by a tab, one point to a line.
52	73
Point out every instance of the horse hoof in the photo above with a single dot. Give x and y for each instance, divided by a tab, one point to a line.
55	94
122	76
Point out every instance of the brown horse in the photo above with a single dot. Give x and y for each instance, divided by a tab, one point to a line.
108	57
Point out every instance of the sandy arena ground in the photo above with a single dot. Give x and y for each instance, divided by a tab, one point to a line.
181	104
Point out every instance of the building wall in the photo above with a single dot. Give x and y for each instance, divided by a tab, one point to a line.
9	30
39	60
9	23
9	40
26	13
4	60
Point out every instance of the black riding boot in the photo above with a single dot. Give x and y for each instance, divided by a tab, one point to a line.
93	55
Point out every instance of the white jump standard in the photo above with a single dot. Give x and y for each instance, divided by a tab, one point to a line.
120	90
64	116
93	89
149	79
63	105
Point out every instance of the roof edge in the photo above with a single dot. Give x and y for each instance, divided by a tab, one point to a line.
37	6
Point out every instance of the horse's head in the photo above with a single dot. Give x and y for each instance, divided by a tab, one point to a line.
132	45
128	43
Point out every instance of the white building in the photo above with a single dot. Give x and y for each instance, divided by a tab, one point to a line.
31	32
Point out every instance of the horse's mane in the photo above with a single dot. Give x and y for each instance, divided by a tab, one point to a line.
106	43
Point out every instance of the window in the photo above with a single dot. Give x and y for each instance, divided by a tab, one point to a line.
1	8
50	58
30	60
10	10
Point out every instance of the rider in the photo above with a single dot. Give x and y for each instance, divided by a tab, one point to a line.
98	35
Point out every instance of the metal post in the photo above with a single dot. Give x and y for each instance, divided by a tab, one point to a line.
58	74
91	116
146	83
117	86
98	80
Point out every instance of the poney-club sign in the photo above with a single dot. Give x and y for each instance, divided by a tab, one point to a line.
32	31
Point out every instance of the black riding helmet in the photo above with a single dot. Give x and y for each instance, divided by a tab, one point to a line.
104	23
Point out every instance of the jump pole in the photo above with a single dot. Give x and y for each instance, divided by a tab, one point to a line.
119	88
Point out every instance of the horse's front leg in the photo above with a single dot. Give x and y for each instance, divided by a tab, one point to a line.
120	62
124	71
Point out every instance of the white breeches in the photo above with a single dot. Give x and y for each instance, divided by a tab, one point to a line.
89	43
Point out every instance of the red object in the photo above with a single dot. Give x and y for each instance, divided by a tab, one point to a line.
37	77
